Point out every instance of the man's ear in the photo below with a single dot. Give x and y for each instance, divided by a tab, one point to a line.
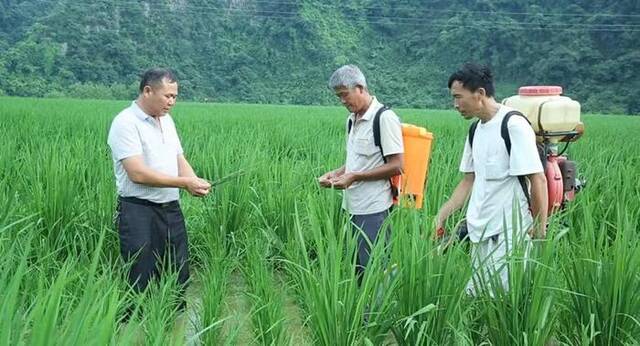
482	92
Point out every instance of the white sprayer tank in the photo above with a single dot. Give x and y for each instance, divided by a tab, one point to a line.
547	111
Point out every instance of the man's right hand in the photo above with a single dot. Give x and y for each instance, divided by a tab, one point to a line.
325	179
439	230
197	187
538	232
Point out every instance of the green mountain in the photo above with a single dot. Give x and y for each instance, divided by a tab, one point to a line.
284	51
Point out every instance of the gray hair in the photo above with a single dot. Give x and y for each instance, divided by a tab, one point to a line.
348	76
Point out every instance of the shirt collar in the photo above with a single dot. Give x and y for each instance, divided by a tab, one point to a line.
371	111
500	113
140	114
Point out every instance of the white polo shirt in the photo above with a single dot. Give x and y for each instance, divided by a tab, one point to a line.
369	197
133	132
496	189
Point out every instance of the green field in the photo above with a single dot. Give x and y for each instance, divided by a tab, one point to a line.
270	264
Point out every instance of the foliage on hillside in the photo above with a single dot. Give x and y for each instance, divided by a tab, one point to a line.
284	51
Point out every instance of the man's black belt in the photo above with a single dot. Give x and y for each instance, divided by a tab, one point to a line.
140	201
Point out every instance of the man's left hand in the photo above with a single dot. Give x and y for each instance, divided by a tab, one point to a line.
535	233
344	181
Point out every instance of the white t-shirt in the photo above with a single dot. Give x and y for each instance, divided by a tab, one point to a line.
496	190
133	132
369	197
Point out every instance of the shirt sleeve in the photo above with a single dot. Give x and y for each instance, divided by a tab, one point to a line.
124	140
466	163
524	158
391	134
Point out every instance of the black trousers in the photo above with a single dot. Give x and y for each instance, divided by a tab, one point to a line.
371	226
153	236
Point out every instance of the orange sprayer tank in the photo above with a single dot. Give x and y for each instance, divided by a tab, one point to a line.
546	110
417	151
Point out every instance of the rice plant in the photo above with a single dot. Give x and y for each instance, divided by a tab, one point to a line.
272	253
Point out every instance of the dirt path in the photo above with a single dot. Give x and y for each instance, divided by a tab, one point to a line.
237	327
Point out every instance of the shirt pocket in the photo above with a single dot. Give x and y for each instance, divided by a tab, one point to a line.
496	170
364	147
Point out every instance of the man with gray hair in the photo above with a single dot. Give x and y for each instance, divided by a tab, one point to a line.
365	175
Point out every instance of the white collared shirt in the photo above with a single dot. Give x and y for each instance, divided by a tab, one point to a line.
369	197
133	132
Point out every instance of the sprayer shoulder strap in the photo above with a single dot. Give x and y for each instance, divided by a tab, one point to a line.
376	129
504	129
378	142
504	133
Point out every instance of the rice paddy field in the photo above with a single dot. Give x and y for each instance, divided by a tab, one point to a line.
271	251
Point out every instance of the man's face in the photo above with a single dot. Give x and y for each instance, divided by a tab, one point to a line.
467	102
160	98
353	99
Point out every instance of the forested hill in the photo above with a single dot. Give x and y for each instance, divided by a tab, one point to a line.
284	51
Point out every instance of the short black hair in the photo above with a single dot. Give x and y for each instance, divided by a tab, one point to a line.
474	76
154	76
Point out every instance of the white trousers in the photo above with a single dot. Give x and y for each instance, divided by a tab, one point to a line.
490	261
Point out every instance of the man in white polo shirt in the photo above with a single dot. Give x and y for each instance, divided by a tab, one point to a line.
497	197
365	176
150	168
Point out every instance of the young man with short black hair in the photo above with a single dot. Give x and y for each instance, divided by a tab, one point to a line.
491	182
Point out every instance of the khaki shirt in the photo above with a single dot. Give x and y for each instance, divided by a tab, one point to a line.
369	197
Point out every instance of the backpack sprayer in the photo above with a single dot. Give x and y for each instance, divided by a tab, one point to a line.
555	119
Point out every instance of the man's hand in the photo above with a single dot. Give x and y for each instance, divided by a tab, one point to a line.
328	179
439	230
344	181
197	187
541	233
325	179
455	202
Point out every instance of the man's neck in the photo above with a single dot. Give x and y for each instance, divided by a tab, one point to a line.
359	114
489	110
145	109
